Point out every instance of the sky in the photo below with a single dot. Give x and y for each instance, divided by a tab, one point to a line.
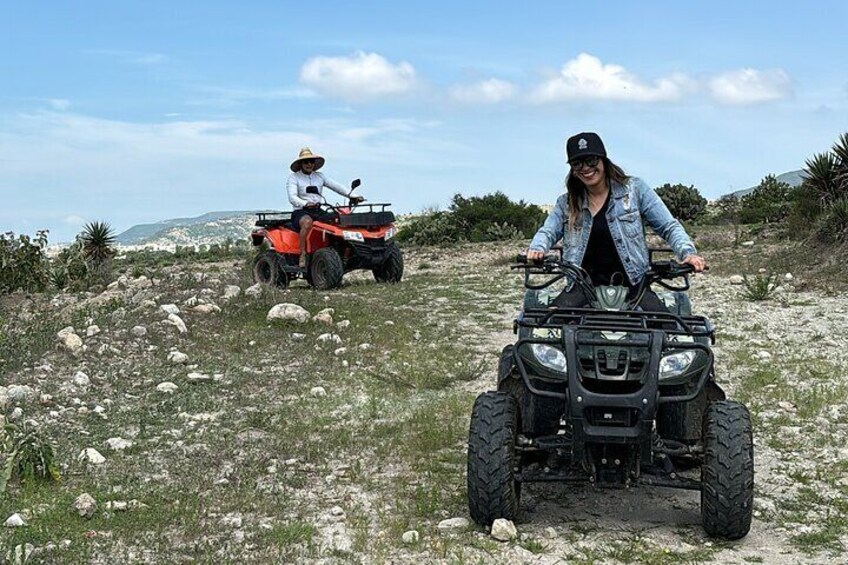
133	112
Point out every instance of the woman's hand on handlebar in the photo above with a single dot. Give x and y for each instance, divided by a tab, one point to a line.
534	256
696	261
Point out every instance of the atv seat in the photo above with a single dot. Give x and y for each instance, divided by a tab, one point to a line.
270	220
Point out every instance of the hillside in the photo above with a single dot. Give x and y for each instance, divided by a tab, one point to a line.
218	225
792	178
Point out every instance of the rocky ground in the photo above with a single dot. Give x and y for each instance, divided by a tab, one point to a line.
190	427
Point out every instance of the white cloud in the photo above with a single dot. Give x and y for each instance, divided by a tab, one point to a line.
489	91
358	77
587	78
750	86
59	104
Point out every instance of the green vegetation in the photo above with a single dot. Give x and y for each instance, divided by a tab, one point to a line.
23	263
684	202
28	456
770	202
760	287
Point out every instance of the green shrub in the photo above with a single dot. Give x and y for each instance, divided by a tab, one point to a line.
760	287
28	456
770	202
832	225
23	264
431	228
684	202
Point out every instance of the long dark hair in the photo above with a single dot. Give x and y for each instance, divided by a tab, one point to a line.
577	190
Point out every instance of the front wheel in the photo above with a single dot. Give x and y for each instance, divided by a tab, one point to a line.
391	269
326	269
267	269
727	474
493	491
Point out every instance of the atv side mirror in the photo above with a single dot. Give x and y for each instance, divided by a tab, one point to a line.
312	190
355	183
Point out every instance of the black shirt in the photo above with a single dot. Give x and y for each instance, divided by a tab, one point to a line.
601	259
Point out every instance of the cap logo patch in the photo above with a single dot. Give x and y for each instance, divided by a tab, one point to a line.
582	144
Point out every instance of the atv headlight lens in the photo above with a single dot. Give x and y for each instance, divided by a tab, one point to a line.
676	364
550	357
353	236
390	233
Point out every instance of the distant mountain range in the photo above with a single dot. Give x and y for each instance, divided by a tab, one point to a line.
212	227
792	178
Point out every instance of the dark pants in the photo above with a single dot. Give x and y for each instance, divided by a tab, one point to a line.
296	216
575	298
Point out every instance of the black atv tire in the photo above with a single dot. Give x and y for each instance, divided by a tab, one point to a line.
268	269
325	269
540	415
727	474
493	491
391	269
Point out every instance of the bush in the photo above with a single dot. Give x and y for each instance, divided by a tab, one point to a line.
23	264
684	202
760	287
832	226
28	456
493	217
770	202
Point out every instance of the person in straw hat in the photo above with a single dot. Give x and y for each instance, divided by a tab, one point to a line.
305	173
599	220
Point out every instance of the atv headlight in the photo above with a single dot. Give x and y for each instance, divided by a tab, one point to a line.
676	364
550	357
353	236
390	233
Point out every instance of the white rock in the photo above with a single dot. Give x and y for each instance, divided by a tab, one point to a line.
198	377
141	283
323	318
343	325
91	455
231	291
365	346
329	338
16	414
81	379
167	387
737	279
317	391
336	538
14	521
337	511
749	243
788	277
233	520
298	337
118	443
85	505
73	343
504	530
19	393
92	331
411	537
190	302
254	291
170	308
550	532
65	332
453	524
417	335
177	358
287	311
340	351
178	323
139	331
206	309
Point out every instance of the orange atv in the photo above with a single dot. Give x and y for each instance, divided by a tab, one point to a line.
342	238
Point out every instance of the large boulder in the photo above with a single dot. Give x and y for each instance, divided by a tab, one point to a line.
288	312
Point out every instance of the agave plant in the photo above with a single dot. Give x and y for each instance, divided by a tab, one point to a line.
98	241
820	175
840	151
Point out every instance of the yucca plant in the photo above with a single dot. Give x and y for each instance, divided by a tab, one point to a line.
832	227
840	151
760	287
28	455
821	177
98	240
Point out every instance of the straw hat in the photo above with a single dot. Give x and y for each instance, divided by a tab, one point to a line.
306	153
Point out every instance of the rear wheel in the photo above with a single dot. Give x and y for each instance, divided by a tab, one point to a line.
267	269
325	269
493	491
727	475
391	270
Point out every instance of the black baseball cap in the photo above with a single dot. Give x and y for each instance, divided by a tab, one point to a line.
586	144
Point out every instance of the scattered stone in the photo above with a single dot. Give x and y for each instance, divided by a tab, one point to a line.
19	393
118	443
337	511
92	331
231	291
298	337
85	505
287	311
737	279
788	277
365	346
325	316
340	351
139	331
749	243
416	336
206	309
389	323
411	537
198	377
317	391
81	379
504	530
178	323
177	358
233	520
329	338
762	270
170	309
787	406
343	325
550	532
72	343
91	455
167	387
762	355
14	521
16	414
452	524
65	332
254	291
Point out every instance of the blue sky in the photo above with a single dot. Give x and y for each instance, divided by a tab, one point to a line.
133	112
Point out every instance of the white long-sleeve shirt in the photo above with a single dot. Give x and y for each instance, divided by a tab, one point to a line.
298	182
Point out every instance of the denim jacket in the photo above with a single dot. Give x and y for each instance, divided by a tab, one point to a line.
629	205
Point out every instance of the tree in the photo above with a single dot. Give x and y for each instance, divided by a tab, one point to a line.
769	202
684	202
